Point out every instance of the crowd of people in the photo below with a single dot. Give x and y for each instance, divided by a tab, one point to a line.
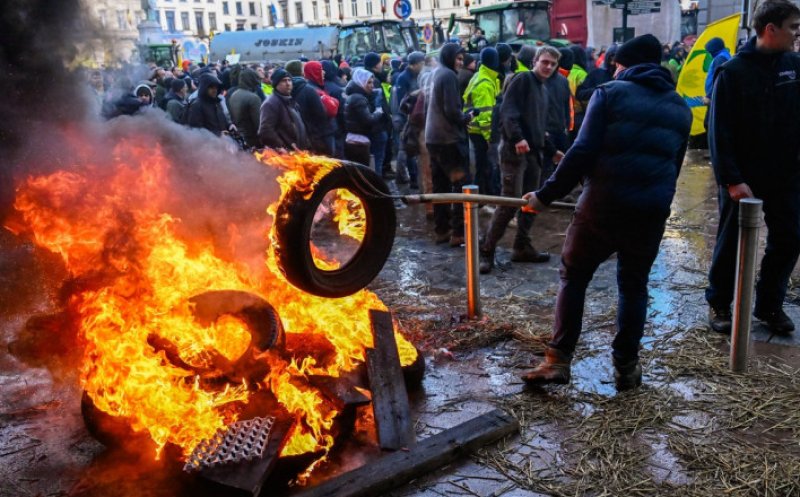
536	124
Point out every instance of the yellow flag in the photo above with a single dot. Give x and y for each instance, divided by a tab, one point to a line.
692	80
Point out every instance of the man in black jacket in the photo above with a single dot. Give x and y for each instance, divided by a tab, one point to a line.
755	151
523	118
280	126
206	111
245	107
628	154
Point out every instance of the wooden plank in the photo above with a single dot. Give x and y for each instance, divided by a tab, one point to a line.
339	391
395	469
389	396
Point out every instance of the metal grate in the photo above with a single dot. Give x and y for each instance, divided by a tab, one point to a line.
239	442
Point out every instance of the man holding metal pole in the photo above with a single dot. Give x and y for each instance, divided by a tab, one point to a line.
753	137
628	153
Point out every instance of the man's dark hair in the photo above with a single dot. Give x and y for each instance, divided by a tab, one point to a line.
775	12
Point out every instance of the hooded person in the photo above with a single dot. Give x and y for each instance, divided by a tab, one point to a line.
628	155
598	76
363	119
720	53
401	103
506	55
232	75
294	68
245	107
280	125
481	95
318	125
334	87
206	111
447	142
314	75
374	64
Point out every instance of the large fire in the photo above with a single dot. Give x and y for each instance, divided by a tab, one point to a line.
108	223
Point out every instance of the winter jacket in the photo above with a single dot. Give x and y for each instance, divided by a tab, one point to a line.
630	149
335	90
596	77
464	77
206	112
577	75
523	113
755	119
445	124
559	102
360	114
318	125
406	83
481	94
245	107
280	124
174	106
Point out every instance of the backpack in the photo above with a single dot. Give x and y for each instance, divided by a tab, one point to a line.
330	104
408	102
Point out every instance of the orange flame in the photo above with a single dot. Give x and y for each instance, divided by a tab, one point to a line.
107	224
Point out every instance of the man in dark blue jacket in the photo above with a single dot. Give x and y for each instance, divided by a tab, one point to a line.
753	137
628	152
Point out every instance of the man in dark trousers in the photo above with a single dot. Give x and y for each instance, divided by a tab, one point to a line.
755	151
446	139
523	118
628	153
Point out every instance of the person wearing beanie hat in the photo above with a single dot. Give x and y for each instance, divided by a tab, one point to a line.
753	130
481	95
371	60
525	56
447	142
280	125
644	49
308	94
295	68
628	155
505	52
466	72
717	49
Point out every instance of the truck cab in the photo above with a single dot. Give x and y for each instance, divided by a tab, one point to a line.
516	23
356	40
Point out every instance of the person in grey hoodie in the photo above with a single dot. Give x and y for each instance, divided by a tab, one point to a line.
446	140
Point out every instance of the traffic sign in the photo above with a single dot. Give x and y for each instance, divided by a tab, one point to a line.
402	9
427	34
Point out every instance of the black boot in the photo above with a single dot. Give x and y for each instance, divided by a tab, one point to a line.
778	322
627	374
486	262
529	254
720	320
554	369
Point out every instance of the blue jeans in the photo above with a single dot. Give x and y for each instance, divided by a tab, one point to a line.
378	149
588	243
782	216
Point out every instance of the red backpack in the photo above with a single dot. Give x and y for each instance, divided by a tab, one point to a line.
330	104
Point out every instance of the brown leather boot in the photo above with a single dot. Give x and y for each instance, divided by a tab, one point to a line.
554	369
627	374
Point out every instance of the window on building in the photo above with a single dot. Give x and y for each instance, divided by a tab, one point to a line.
122	23
225	10
254	26
170	14
239	10
212	21
239	25
253	9
354	8
298	11
227	27
436	4
417	4
102	15
198	21
456	3
285	12
314	11
369	7
185	21
327	10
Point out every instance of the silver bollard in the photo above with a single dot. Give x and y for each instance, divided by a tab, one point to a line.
749	221
471	238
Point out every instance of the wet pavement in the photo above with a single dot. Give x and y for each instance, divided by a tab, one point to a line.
45	449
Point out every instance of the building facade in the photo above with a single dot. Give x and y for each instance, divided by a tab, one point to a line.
119	20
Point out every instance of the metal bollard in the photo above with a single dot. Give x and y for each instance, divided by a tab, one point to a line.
749	221
471	246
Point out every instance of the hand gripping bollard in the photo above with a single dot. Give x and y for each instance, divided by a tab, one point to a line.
749	221
471	247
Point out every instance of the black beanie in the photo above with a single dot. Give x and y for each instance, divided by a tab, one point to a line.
278	75
504	51
567	60
371	60
644	49
177	85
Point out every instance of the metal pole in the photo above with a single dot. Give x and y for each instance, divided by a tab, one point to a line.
471	247
749	220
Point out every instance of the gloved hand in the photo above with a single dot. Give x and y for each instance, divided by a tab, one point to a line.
535	205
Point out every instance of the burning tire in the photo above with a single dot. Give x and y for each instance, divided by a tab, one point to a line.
296	215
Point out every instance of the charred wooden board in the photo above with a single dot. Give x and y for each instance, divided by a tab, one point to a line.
379	477
389	395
